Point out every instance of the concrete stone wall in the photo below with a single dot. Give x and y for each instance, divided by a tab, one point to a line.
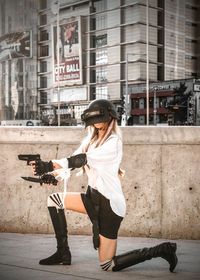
161	185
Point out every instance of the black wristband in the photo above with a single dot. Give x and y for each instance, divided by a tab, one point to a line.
77	161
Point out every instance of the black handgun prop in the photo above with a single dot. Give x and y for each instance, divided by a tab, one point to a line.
28	158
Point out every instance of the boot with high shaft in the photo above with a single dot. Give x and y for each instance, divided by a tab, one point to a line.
63	254
166	250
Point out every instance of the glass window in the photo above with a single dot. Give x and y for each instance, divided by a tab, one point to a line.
101	92
43	66
162	102
44	35
135	119
43	97
20	81
101	56
43	19
101	74
141	119
141	103
43	4
44	51
100	6
101	22
135	103
151	103
163	118
101	40
189	40
189	23
190	57
21	97
101	19
43	82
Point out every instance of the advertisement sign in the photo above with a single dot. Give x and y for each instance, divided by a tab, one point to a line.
69	47
15	45
69	95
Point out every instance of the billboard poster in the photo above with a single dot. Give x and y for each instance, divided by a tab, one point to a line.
70	57
70	95
15	45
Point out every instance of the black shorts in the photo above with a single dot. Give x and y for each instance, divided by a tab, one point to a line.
108	221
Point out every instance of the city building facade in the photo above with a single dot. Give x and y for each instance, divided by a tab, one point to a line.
174	102
77	51
18	60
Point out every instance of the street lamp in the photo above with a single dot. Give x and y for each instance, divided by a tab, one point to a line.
147	62
127	97
154	106
147	72
55	10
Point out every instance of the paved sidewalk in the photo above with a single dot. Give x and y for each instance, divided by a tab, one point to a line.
19	255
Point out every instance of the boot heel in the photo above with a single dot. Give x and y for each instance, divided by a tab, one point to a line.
66	258
66	262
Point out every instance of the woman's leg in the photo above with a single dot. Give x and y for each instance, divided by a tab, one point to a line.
165	250
71	201
109	261
107	248
107	251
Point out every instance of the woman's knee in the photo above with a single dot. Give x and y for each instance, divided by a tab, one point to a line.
56	200
69	201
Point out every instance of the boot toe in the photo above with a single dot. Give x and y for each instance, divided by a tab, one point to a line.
172	258
173	263
54	259
57	258
169	254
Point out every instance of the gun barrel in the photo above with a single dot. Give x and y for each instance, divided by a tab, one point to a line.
29	157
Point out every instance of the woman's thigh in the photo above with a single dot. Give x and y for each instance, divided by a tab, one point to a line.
107	248
73	201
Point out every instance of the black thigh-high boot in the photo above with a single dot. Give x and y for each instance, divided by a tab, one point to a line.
62	255
165	250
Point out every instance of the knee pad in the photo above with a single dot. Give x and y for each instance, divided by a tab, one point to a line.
107	265
56	200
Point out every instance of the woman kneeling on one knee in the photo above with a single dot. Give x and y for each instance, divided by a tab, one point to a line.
99	155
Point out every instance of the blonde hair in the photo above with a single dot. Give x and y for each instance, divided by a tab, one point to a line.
93	137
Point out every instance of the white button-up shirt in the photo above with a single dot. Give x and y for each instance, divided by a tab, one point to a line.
102	170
